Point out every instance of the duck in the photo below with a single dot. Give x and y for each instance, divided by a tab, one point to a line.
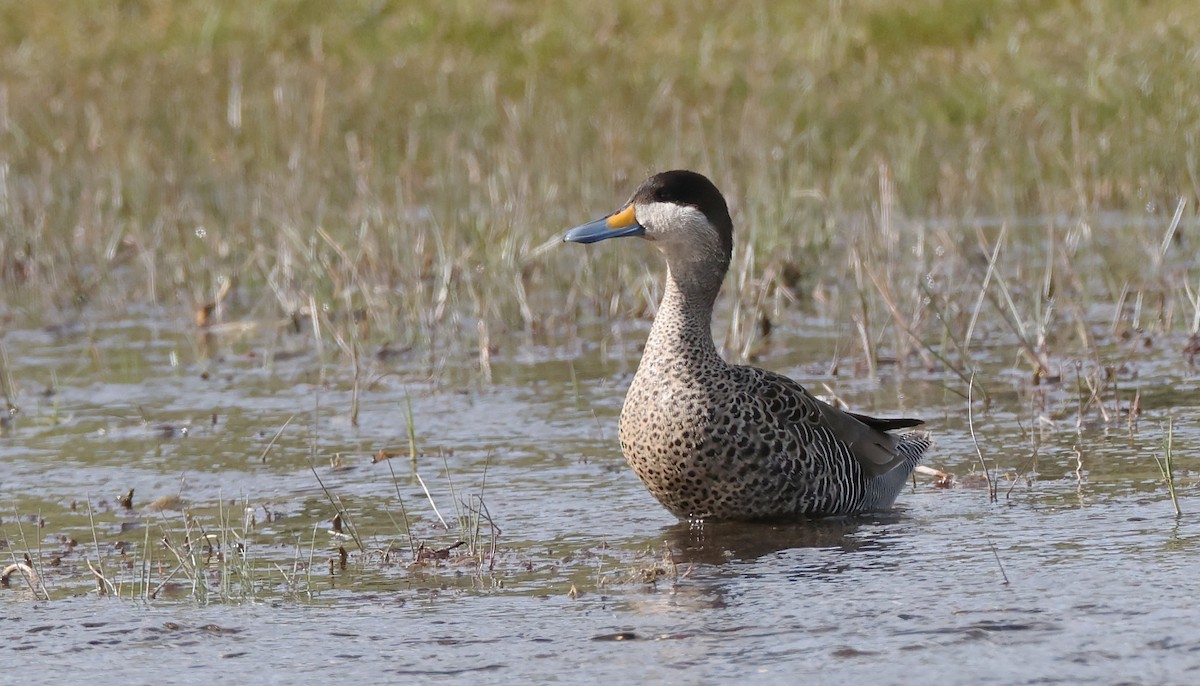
717	441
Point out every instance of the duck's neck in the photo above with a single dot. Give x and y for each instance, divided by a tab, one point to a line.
682	329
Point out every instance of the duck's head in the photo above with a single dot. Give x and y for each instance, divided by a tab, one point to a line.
681	211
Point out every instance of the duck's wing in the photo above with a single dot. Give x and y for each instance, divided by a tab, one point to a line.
819	422
887	424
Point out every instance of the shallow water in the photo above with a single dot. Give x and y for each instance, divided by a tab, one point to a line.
238	444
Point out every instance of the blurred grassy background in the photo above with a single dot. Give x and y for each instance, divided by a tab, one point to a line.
407	159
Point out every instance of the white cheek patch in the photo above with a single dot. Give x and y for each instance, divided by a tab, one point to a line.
674	224
664	218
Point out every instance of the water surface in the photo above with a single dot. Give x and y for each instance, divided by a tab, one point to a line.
237	448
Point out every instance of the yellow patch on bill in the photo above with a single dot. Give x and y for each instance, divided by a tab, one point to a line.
621	219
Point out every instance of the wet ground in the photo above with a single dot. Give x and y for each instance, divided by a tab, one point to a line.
240	447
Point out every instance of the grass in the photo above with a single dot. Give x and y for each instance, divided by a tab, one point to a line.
389	171
1166	465
231	552
234	551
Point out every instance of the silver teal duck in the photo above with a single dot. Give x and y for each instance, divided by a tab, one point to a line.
712	440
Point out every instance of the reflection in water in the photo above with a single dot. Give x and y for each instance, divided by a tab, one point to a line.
724	565
716	543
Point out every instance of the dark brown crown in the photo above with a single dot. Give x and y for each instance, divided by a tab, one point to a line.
684	187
